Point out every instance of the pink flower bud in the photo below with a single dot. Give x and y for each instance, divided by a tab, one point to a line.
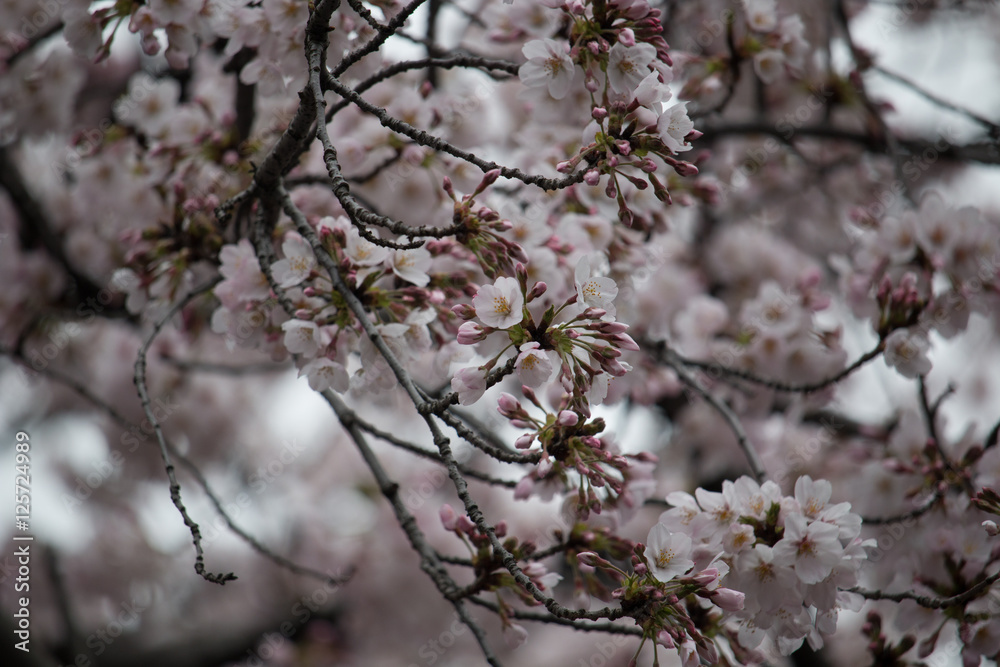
592	559
515	635
524	488
592	177
611	327
507	404
537	290
991	528
501	528
625	342
449	519
465	525
524	442
684	168
706	577
728	599
627	37
544	467
568	418
663	638
489	178
470	333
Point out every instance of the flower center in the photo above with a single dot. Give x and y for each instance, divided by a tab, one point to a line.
663	557
501	305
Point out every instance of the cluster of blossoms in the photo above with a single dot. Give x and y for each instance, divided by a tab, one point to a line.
625	68
490	573
586	342
323	333
771	39
575	459
550	276
785	562
924	270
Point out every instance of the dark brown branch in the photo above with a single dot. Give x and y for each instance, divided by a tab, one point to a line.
35	230
175	487
778	385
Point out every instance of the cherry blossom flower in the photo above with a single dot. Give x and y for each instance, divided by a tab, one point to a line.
175	11
298	263
628	66
325	374
595	291
469	384
906	351
761	15
813	548
651	93
411	265
548	65
499	305
363	252
765	580
305	338
244	280
668	553
533	366
769	64
83	31
673	126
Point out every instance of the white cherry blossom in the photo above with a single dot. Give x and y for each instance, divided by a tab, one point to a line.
549	66
628	66
595	291
673	126
906	351
533	365
668	553
298	263
411	265
500	305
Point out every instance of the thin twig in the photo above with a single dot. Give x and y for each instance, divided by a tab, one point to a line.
732	420
932	603
778	385
175	487
905	516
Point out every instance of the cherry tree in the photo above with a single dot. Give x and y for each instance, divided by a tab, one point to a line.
634	332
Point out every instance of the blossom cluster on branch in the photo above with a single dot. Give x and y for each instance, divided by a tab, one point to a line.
493	237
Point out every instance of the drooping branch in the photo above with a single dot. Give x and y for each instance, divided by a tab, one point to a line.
175	487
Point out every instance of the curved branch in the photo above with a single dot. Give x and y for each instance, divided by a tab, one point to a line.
778	385
175	487
438	144
733	421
